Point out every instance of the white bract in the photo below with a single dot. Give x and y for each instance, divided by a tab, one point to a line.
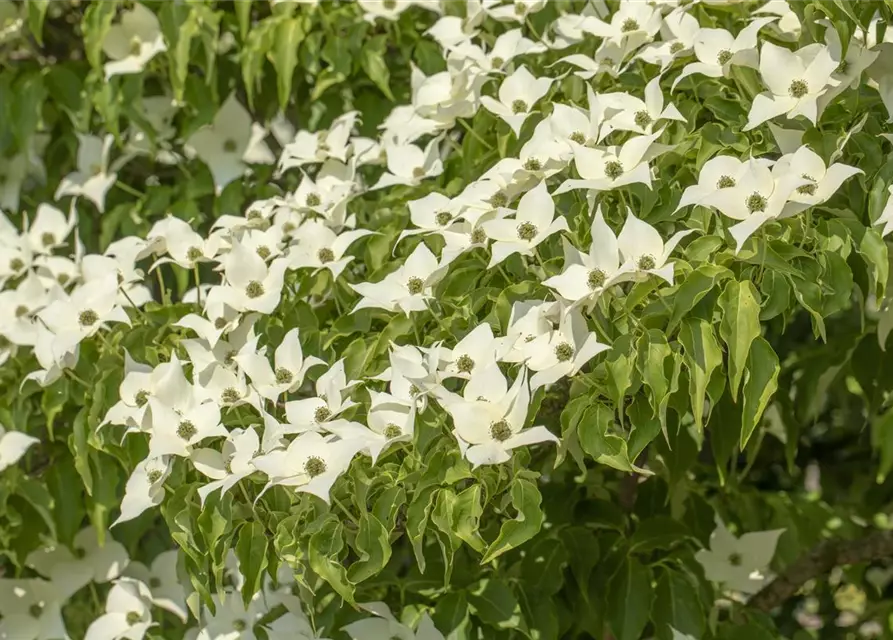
133	42
518	94
717	50
739	563
93	177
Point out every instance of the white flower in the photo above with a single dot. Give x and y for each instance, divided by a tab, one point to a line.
608	59
93	178
643	249
679	31
18	307
231	619
319	247
514	11
638	116
50	229
489	422
87	310
385	625
477	350
431	214
127	614
408	288
53	357
409	165
13	445
518	94
563	352
528	320
184	246
886	217
717	50
310	464
227	467
756	197
164	584
94	561
230	143
848	73
175	429
739	564
312	147
20	170
718	173
631	26
788	24
290	366
32	610
534	222
606	168
587	275
252	284
331	400
133	42
145	488
824	182
796	80
395	422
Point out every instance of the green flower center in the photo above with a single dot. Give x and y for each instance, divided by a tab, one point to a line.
239	625
415	285
498	199
16	264
723	56
254	289
527	231
313	200
497	62
322	414
154	476
390	5
613	169
464	363
325	255
392	431
35	610
133	617
228	465
578	137
629	25
230	146
646	262
63	279
418	172
478	236
284	376
735	559
219	323
414	390
798	88
564	352
263	251
725	182
643	119
141	398
842	67
519	106
808	189
756	202
314	466
676	47
87	318
186	430
443	218
193	253
500	431
230	395
596	279
532	164
154	583
48	239
135	46
20	311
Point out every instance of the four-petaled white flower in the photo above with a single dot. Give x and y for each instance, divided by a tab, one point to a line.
518	94
228	466
562	352
131	43
14	445
643	249
739	563
128	613
287	374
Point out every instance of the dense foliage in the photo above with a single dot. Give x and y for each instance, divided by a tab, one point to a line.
433	319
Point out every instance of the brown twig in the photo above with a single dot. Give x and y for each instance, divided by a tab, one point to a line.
819	561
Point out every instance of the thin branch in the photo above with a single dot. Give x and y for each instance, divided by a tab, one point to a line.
819	561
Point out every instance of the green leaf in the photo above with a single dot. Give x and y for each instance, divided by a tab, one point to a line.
697	285
604	447
678	605
526	500
372	57
373	549
620	363
37	10
874	250
243	16
289	35
77	442
702	355
739	327
629	600
97	21
760	383
324	550
543	566
496	605
659	367
251	551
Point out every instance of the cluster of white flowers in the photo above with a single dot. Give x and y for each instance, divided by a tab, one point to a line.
54	296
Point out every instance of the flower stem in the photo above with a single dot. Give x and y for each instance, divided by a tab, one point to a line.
128	189
346	512
474	133
198	286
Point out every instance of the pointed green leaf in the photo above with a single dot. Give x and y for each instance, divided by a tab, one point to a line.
373	549
251	551
289	35
740	325
702	355
677	606
693	289
760	383
629	600
526	500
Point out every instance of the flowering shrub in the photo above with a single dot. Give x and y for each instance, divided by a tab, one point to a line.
427	319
